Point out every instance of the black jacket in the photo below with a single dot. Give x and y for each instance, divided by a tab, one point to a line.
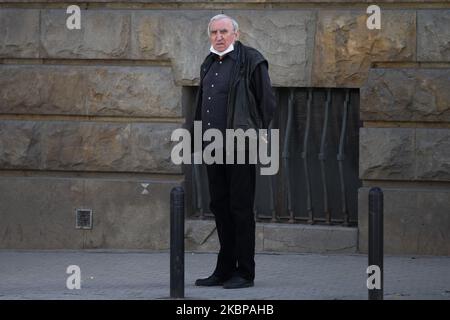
243	111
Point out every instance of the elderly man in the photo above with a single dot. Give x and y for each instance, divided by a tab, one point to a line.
235	92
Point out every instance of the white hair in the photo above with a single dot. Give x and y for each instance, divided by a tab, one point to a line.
220	17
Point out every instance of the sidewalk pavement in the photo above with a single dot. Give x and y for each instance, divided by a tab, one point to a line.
146	275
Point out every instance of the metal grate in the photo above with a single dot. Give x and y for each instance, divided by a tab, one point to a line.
83	219
318	180
319	153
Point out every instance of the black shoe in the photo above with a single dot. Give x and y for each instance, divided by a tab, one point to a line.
237	282
212	280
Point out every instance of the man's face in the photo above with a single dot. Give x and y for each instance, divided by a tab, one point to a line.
221	34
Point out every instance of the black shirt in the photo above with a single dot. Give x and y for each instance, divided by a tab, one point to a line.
216	85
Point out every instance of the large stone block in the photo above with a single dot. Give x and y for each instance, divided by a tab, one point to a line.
387	153
30	89
416	221
161	34
404	154
104	34
345	47
40	213
285	38
406	95
19	144
123	217
433	35
433	154
133	91
151	147
127	218
87	146
19	33
88	90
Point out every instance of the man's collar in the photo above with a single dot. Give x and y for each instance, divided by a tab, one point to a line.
232	55
229	52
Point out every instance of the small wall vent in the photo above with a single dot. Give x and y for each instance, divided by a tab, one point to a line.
83	219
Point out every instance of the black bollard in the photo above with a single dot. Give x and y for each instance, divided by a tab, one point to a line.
177	243
376	238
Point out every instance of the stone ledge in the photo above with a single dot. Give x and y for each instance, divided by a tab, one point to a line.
272	237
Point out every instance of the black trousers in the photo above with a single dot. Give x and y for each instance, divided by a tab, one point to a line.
232	190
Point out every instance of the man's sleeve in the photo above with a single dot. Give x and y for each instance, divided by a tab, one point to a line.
265	98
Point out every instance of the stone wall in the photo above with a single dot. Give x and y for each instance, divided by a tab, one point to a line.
86	115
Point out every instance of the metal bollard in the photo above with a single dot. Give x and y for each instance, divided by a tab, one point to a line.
177	243
376	238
